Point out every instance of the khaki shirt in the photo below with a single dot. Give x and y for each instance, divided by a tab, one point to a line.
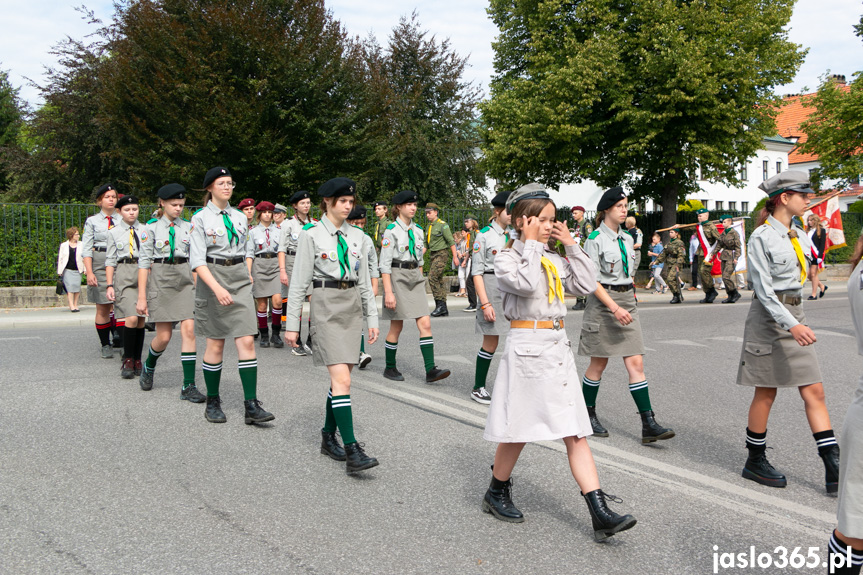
317	259
369	248
489	242
210	236
263	240
439	237
396	243
604	250
118	242
380	227
96	232
523	284
156	243
773	266
291	230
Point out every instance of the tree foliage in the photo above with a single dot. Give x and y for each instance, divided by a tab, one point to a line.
274	89
636	92
834	128
11	118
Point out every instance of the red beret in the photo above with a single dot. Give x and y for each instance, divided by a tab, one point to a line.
578	208
245	203
264	207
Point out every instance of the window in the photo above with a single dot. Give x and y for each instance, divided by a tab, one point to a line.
744	172
705	203
744	206
779	166
764	169
718	205
732	206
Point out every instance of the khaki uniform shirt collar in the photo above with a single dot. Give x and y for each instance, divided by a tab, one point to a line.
494	225
609	232
215	209
778	226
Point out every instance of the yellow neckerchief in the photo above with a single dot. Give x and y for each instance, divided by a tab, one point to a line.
555	286
801	259
428	236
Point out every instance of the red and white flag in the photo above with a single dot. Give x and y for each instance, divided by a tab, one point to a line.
831	219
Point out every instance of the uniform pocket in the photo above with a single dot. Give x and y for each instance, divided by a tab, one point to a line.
589	337
757	359
528	359
758	348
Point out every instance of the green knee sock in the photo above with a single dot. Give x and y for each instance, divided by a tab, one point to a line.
641	395
362	343
152	357
344	418
249	376
329	417
483	362
212	377
188	360
390	349
590	389
427	347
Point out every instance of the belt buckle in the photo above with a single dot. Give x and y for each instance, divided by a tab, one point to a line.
343	285
555	324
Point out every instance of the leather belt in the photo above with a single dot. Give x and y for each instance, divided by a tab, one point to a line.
491	272
225	262
530	324
267	256
405	265
291	252
623	288
96	249
127	261
333	284
168	261
786	298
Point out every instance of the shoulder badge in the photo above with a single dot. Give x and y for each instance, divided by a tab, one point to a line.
593	235
476	246
385	243
391	226
309	225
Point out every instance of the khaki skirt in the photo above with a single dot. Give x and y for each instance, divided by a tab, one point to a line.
850	505
216	321
170	293
96	294
409	287
125	290
770	356
537	391
500	326
603	336
265	271
337	324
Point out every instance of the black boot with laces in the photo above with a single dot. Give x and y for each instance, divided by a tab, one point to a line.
605	521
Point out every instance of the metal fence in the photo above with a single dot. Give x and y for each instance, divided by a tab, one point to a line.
30	234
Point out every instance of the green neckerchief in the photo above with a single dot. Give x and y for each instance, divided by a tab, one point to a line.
344	263
623	253
411	242
171	234
232	232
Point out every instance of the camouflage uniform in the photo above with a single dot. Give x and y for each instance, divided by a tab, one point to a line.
712	235
582	232
729	244
378	234
673	256
439	239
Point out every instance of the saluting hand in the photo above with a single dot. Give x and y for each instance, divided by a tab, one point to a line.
803	335
561	233
373	334
530	228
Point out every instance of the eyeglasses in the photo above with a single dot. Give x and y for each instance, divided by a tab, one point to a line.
230	185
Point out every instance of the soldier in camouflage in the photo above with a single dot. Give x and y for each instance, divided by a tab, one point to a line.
729	248
582	229
441	247
673	256
706	230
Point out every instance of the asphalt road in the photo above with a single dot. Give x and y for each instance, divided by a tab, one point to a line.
97	476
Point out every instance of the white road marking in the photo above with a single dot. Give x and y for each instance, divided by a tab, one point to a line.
455	359
828	332
733	338
19	338
681	342
718	491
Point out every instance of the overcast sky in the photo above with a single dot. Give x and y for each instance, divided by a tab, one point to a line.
31	28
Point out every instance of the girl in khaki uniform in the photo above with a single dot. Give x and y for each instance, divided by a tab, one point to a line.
93	251
537	397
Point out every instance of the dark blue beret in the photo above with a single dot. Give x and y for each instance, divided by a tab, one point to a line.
610	197
338	187
301	195
214	174
172	192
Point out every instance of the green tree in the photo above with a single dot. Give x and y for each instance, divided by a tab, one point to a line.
11	118
429	135
642	93
834	128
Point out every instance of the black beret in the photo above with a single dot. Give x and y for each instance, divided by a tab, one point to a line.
104	188
499	201
338	187
301	195
214	174
379	203
358	213
610	197
126	200
405	197
172	192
